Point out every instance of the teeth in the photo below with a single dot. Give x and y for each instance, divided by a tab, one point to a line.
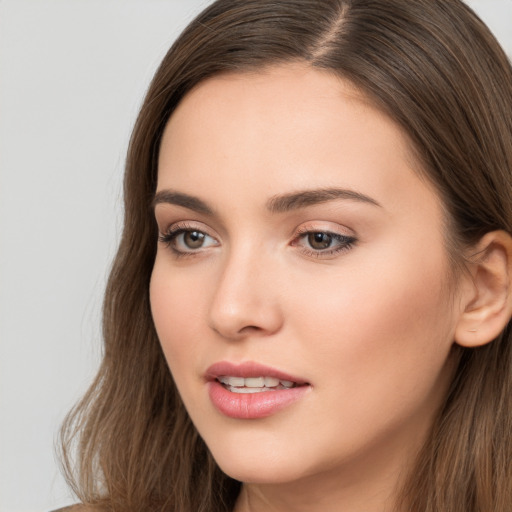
253	384
233	381
271	382
247	390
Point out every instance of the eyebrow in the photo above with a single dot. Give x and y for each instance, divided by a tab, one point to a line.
303	199
276	204
180	199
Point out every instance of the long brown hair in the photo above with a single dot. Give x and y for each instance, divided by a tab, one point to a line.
435	69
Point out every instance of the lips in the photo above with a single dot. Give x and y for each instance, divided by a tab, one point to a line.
249	369
251	390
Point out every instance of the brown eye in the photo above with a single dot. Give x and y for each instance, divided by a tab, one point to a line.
320	241
323	244
186	241
193	239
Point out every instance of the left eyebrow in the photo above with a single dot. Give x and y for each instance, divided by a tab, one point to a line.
303	199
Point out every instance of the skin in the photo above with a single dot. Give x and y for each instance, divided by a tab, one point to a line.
370	327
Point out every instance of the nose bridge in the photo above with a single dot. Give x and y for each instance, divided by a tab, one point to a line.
246	299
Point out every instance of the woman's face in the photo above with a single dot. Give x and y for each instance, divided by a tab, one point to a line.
298	243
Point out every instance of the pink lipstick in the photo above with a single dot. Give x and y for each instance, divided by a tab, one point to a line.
251	390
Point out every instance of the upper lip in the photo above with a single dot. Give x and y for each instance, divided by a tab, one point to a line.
248	369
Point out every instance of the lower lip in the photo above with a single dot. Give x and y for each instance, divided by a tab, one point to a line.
248	406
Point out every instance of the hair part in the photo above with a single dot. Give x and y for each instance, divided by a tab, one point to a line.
435	69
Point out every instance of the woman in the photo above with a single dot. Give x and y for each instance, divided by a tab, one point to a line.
317	245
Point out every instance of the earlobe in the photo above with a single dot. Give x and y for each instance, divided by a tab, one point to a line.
487	301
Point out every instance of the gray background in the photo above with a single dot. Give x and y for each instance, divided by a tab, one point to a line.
72	76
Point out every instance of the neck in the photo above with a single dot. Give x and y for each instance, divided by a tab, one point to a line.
302	498
363	484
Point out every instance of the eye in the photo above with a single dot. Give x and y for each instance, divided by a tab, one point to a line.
191	239
184	240
320	241
323	244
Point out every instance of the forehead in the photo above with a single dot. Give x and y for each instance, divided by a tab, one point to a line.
288	126
293	94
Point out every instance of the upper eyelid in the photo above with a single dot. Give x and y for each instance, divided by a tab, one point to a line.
188	225
166	213
321	227
315	226
302	231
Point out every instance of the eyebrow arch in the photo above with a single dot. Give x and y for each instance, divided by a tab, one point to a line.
180	199
302	199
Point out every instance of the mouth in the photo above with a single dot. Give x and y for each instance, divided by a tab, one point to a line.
251	377
251	390
254	384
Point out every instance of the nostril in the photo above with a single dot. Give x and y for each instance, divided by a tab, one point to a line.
250	328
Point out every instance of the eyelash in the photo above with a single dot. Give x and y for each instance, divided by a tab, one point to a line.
343	242
169	239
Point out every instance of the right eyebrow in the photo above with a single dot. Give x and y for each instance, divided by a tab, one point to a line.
180	199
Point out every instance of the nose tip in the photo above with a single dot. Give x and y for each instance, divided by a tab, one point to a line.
236	324
245	304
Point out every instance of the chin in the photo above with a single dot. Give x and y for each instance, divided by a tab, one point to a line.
258	464
261	474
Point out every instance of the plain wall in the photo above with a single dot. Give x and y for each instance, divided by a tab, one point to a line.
72	76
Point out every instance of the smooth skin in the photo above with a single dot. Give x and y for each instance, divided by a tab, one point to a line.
351	291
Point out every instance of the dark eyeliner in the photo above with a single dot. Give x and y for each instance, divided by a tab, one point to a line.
344	243
169	239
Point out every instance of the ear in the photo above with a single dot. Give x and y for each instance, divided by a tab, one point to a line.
487	296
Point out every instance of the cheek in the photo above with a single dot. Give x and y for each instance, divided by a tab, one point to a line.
381	329
176	309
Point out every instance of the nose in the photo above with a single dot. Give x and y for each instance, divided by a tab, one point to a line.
246	299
